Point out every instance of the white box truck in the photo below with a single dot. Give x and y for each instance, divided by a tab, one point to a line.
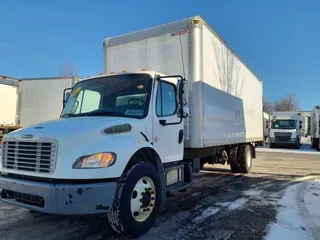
127	138
285	129
315	127
9	99
41	98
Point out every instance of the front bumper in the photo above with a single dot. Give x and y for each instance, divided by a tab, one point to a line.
292	141
64	199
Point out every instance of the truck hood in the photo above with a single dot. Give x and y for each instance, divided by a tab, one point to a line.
74	126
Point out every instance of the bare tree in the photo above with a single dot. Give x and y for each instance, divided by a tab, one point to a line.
268	106
68	71
287	103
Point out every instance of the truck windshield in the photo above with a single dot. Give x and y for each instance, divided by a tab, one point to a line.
124	95
284	124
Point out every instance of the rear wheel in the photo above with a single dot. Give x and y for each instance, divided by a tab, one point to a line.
245	158
137	201
233	161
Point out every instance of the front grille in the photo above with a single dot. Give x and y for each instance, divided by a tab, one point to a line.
33	156
282	136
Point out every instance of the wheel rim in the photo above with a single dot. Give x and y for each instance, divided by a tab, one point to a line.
143	199
248	158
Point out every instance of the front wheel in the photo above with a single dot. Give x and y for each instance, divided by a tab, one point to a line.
138	200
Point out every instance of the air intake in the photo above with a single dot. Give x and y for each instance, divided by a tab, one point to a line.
118	129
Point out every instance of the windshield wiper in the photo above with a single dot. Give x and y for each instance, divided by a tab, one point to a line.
68	115
93	113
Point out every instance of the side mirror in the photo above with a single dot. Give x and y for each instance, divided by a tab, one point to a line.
180	91
66	94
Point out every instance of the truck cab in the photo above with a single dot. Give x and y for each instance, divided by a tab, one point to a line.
285	129
111	125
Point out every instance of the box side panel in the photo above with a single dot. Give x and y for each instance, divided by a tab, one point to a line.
318	123
41	100
232	96
315	123
8	104
162	54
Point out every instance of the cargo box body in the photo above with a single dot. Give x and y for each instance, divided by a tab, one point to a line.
9	98
41	99
315	122
224	95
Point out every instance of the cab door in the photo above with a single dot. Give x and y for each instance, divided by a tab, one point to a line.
167	126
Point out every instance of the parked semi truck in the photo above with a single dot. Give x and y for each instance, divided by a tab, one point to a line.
9	98
127	138
315	127
285	129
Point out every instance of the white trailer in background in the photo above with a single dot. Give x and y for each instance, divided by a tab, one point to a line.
9	98
285	129
315	127
266	124
41	98
127	138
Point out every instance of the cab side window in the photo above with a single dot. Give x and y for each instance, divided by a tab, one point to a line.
166	104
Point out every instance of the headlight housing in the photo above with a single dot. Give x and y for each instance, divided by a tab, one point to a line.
97	160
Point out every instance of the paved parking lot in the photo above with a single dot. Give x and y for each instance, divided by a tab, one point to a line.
219	205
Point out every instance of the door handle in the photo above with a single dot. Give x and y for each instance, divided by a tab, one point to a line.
163	122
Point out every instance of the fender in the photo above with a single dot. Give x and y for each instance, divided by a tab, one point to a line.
123	145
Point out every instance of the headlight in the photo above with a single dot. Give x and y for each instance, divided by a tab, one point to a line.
97	160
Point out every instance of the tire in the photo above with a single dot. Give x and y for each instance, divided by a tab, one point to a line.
233	161
272	145
245	158
121	217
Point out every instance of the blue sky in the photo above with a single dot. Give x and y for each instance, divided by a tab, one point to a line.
279	40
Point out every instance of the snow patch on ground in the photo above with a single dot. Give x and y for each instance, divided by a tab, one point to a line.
299	213
237	203
304	149
253	192
312	201
222	204
206	213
